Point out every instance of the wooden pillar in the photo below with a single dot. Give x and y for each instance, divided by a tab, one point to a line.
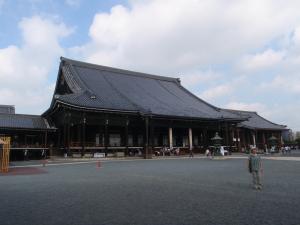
106	137
238	139
233	137
58	136
249	137
45	139
65	137
190	138
227	135
151	136
146	140
254	138
204	138
170	137
83	134
126	136
244	137
68	135
79	133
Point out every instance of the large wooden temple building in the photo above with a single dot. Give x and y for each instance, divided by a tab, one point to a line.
113	112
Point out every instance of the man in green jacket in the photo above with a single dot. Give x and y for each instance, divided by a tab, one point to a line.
255	167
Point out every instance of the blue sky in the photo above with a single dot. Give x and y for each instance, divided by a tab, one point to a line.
234	54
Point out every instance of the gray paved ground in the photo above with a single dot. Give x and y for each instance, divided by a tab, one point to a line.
182	191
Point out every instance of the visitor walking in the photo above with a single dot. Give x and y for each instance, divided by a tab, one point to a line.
25	154
255	167
207	152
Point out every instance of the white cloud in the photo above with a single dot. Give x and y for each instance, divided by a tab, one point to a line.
73	3
199	77
286	114
289	83
224	90
171	36
24	70
215	92
256	106
264	60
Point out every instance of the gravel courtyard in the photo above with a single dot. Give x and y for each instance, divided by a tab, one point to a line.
171	191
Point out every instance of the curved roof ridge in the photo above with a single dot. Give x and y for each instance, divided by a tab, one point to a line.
270	121
237	110
256	114
20	114
199	99
123	71
69	78
78	80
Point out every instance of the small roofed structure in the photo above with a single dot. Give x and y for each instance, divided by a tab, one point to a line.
256	130
28	133
8	109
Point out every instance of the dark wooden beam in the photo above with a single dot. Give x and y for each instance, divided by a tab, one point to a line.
146	139
126	135
106	137
83	134
151	138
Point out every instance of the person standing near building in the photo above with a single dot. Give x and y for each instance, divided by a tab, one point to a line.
207	152
26	154
255	168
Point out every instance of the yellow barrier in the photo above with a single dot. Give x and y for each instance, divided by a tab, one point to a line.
4	154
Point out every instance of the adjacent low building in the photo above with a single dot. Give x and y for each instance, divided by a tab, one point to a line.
256	131
31	132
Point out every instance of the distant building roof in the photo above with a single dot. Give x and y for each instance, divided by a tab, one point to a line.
105	88
9	109
256	121
20	121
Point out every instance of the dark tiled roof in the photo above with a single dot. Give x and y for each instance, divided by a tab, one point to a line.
255	121
105	88
9	109
20	121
